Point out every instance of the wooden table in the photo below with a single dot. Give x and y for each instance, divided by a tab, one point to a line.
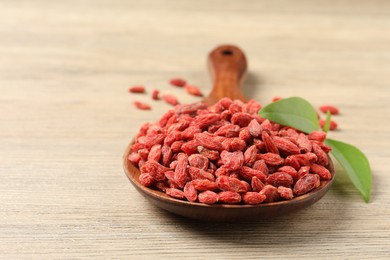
66	118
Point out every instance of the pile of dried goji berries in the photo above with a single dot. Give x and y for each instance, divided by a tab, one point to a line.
227	153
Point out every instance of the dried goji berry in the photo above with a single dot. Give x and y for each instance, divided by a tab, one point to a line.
256	184
204	184
155	94
155	153
317	136
203	121
271	193
175	193
197	173
322	157
198	161
170	99
332	124
146	179
285	193
229	197
190	147
192	90
320	171
303	171
280	179
260	165
240	118
134	158
137	89
208	197
176	146
248	173
155	170
332	109
253	198
142	105
181	176
289	170
245	135
251	107
233	144
304	143
190	192
270	145
254	128
285	145
306	184
250	155
178	82
271	159
232	160
166	155
228	130
226	183
209	141
212	155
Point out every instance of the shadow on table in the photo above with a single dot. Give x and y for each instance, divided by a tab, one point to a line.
252	85
307	225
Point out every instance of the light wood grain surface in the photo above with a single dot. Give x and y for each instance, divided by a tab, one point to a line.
66	118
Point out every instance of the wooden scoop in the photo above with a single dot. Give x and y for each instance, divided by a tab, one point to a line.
228	67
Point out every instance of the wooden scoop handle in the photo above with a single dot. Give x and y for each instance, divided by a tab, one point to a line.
227	66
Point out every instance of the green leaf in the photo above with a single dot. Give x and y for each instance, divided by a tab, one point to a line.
355	163
294	111
327	122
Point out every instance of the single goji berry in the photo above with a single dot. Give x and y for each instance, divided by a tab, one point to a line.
285	193
332	124
253	198
306	184
170	99
142	105
175	193
190	192
155	94
178	82
192	90
332	109
271	193
280	179
137	89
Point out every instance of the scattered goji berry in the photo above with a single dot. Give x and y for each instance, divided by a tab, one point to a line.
332	109
170	99
137	89
332	124
142	105
155	94
178	82
192	90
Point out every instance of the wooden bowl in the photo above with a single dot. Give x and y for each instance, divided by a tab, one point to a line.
223	212
227	66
